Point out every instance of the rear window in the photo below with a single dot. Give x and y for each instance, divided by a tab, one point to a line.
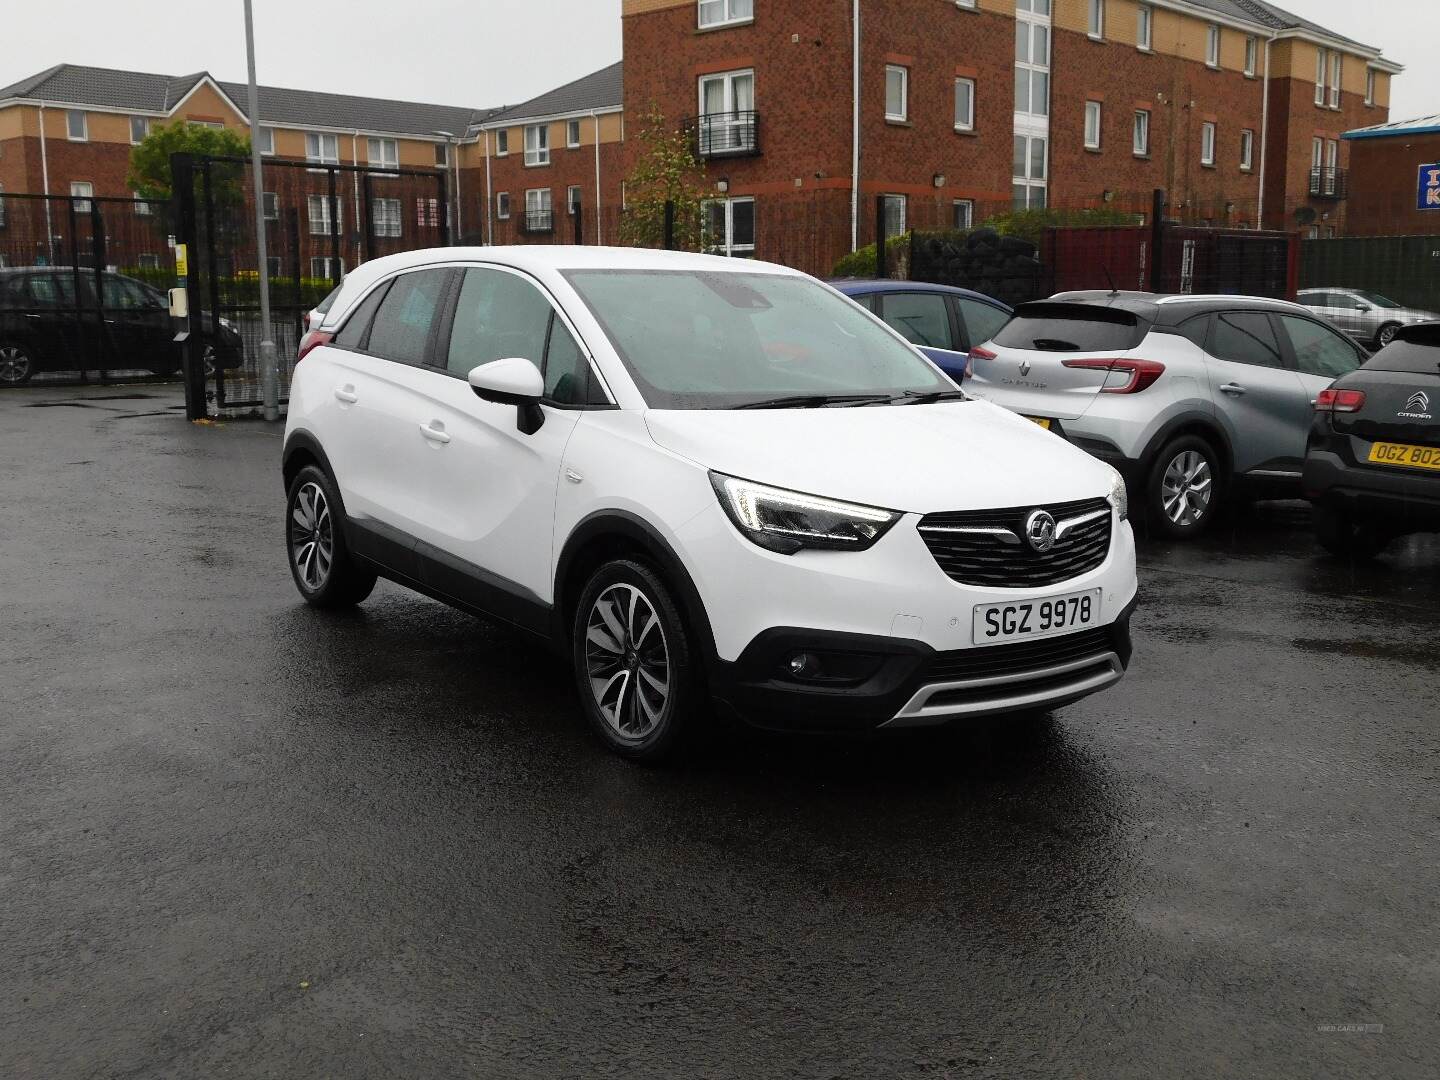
1415	350
1053	328
325	305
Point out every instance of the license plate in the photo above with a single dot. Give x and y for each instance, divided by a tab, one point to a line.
1043	421
1025	619
1406	456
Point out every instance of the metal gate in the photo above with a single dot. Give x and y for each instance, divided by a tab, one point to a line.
321	220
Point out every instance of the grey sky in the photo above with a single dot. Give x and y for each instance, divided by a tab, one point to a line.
483	52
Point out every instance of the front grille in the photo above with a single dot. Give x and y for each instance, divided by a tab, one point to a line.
998	661
981	558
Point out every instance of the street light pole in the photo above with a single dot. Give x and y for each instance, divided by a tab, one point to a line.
269	369
452	144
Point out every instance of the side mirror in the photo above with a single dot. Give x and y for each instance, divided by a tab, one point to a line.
512	381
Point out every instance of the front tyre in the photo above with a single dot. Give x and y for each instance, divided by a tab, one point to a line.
17	364
1386	335
1182	491
633	663
1345	537
324	570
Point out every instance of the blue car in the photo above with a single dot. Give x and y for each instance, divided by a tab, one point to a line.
943	321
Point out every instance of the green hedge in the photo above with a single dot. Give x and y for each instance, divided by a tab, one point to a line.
243	288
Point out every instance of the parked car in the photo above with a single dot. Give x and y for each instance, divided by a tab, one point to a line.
1366	316
944	322
1372	467
1190	397
44	327
705	482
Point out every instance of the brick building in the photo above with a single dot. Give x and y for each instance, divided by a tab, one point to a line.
1395	179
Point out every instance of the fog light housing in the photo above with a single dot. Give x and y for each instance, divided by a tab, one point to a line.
805	665
833	669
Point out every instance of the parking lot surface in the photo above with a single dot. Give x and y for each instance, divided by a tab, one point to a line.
243	838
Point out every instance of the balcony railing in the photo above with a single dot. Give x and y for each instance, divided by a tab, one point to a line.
727	134
1329	183
537	221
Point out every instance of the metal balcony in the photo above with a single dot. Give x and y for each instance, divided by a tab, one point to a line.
728	134
537	221
1329	183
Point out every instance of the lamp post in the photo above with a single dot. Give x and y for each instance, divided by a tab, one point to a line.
269	369
453	139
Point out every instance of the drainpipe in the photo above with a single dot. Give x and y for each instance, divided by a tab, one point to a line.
360	225
489	196
855	136
599	235
459	202
45	186
1264	135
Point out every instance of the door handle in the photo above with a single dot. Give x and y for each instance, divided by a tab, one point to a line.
435	434
346	394
1233	388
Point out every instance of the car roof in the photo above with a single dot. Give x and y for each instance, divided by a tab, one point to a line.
1163	309
871	286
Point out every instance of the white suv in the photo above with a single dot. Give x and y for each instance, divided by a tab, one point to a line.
706	482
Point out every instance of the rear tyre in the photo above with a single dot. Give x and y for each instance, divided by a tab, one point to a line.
634	664
17	364
1343	536
324	570
1182	491
1386	335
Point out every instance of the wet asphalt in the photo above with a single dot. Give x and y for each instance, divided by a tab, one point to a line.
242	838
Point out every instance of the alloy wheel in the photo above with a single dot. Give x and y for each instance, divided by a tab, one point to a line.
1187	488
14	364
1387	335
627	660
312	536
209	358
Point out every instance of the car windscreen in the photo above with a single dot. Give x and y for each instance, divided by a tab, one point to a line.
1071	328
1378	300
1415	350
694	339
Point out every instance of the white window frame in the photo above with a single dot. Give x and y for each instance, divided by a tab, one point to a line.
731	13
316	146
965	122
82	204
538	155
1033	27
728	246
1321	65
963	209
731	133
502	142
376	155
1370	83
572	134
1335	63
1317	152
213	125
1145	27
502	205
573	194
323	264
1097	110
267	141
892	199
70	115
1247	150
904	72
320	224
270	200
1208	135
1212	46
1096	25
142	206
387	218
1252	55
1140	133
148	261
144	121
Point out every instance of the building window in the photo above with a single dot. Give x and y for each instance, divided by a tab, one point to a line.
894	215
213	125
1334	80
502	205
385	217
1038	7
727	104
143	207
1142	132
572	133
322	149
502	143
1029	172
82	191
1369	86
1092	125
77	128
897	92
384	154
327	268
139	128
1247	150
1320	60
321	223
1207	143
572	199
442	155
964	214
729	227
427	213
1032	68
537	144
267	141
272	262
1145	27
2	207
1097	18
1317	153
964	104
270	201
1212	46
1252	55
538	209
722	12
149	262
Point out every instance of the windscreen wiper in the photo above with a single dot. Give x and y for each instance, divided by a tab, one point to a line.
1045	344
929	397
813	401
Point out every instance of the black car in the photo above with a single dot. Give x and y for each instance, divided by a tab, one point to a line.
1372	466
45	325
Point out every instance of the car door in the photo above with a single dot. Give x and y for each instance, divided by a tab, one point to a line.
926	320
138	331
1318	353
485	524
1259	400
1348	313
61	328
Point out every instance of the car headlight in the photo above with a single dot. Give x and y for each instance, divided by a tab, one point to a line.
788	521
1119	497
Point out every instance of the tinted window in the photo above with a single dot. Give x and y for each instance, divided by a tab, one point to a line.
1195	330
921	317
118	292
405	317
1246	337
1070	331
1318	349
982	321
499	315
1318	299
328	302
866	301
567	372
352	334
1416	351
51	290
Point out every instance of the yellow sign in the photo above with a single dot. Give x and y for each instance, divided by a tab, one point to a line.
182	260
1403	454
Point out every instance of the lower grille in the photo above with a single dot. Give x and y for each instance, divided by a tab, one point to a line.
1000	660
989	547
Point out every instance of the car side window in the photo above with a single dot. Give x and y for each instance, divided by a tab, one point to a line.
1318	349
498	315
567	372
1246	337
921	317
867	301
981	320
352	334
405	317
1196	330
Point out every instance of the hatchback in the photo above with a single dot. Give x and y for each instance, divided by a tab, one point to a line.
942	321
708	484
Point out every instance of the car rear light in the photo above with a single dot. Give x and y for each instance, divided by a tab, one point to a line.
977	353
305	322
313	339
1340	401
1141	374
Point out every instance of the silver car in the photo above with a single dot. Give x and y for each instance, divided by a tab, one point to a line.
1366	316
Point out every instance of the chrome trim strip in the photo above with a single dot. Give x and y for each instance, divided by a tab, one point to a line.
1063	528
918	712
1005	536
